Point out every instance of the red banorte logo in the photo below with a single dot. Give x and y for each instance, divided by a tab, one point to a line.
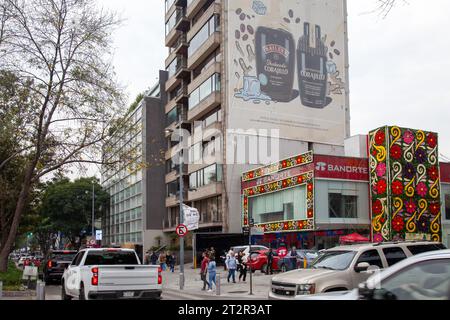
321	166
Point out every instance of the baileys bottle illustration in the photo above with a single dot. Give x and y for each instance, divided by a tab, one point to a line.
275	62
312	68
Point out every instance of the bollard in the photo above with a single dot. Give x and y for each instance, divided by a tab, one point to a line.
218	284
181	281
40	290
1	289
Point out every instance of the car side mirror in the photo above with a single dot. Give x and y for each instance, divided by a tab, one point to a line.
362	266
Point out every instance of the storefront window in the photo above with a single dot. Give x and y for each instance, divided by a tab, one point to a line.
284	205
342	206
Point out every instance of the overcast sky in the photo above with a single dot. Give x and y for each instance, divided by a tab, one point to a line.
397	64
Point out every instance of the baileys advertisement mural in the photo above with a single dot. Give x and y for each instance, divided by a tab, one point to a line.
287	67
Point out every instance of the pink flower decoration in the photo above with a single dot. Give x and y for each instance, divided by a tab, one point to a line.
381	169
408	137
378	238
411	206
421	189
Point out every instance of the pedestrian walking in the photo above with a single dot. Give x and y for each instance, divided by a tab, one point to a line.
163	260
242	260
269	269
204	270
173	261
231	264
154	258
293	258
212	270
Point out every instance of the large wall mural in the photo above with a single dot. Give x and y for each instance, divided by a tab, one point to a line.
404	184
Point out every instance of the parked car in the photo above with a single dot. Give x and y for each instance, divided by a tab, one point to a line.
246	249
344	268
110	273
55	264
304	259
258	261
422	277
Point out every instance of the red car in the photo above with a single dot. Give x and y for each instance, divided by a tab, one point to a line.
258	261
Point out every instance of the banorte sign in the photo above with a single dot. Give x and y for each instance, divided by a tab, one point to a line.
341	168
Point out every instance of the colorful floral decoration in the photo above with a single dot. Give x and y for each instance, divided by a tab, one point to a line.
289	163
410	207
306	179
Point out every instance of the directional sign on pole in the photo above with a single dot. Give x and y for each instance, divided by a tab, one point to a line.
182	230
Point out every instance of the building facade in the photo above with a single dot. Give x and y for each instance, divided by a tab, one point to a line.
214	59
137	207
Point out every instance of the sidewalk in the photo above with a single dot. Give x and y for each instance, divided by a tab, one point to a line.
238	290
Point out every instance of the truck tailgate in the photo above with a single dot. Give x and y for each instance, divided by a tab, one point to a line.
137	277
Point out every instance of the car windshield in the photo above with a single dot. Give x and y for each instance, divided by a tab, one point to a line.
111	258
334	260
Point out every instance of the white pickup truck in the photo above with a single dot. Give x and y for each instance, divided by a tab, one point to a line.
96	274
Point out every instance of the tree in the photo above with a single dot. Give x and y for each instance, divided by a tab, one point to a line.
59	51
67	206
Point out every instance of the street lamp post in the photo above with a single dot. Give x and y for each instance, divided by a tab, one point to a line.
93	212
180	171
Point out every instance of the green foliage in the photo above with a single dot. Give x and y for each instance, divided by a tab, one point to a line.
67	206
136	102
12	279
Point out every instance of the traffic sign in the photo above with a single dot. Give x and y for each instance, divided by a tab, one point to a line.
182	230
282	252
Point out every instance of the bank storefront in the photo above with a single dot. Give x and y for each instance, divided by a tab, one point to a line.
307	201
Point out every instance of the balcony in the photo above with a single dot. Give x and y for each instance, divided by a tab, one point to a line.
182	95
180	48
208	47
180	72
215	8
205	106
204	75
174	201
194	6
180	24
172	37
174	175
205	192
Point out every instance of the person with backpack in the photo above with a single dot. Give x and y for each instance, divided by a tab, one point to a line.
154	258
242	260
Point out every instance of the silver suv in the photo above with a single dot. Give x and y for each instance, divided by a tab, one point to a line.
344	268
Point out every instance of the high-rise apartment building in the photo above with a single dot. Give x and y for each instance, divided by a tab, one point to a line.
250	82
136	206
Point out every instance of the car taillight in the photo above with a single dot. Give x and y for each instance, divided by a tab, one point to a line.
159	275
94	280
49	264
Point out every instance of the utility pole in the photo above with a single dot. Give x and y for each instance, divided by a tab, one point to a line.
181	207
93	206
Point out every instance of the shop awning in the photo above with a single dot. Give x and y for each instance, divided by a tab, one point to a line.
353	238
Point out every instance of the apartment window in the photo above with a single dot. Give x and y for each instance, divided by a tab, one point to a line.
172	68
173	188
204	90
216	56
169	4
170	24
172	116
206	176
211	26
342	206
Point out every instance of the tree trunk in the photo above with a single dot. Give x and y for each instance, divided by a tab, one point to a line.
21	203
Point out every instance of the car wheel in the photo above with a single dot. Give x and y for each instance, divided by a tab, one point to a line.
264	268
64	296
82	295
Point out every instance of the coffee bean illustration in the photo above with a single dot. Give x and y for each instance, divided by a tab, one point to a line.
297	20
337	52
250	29
242	28
291	13
331	55
245	37
287	20
242	16
239	11
333	43
237	34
